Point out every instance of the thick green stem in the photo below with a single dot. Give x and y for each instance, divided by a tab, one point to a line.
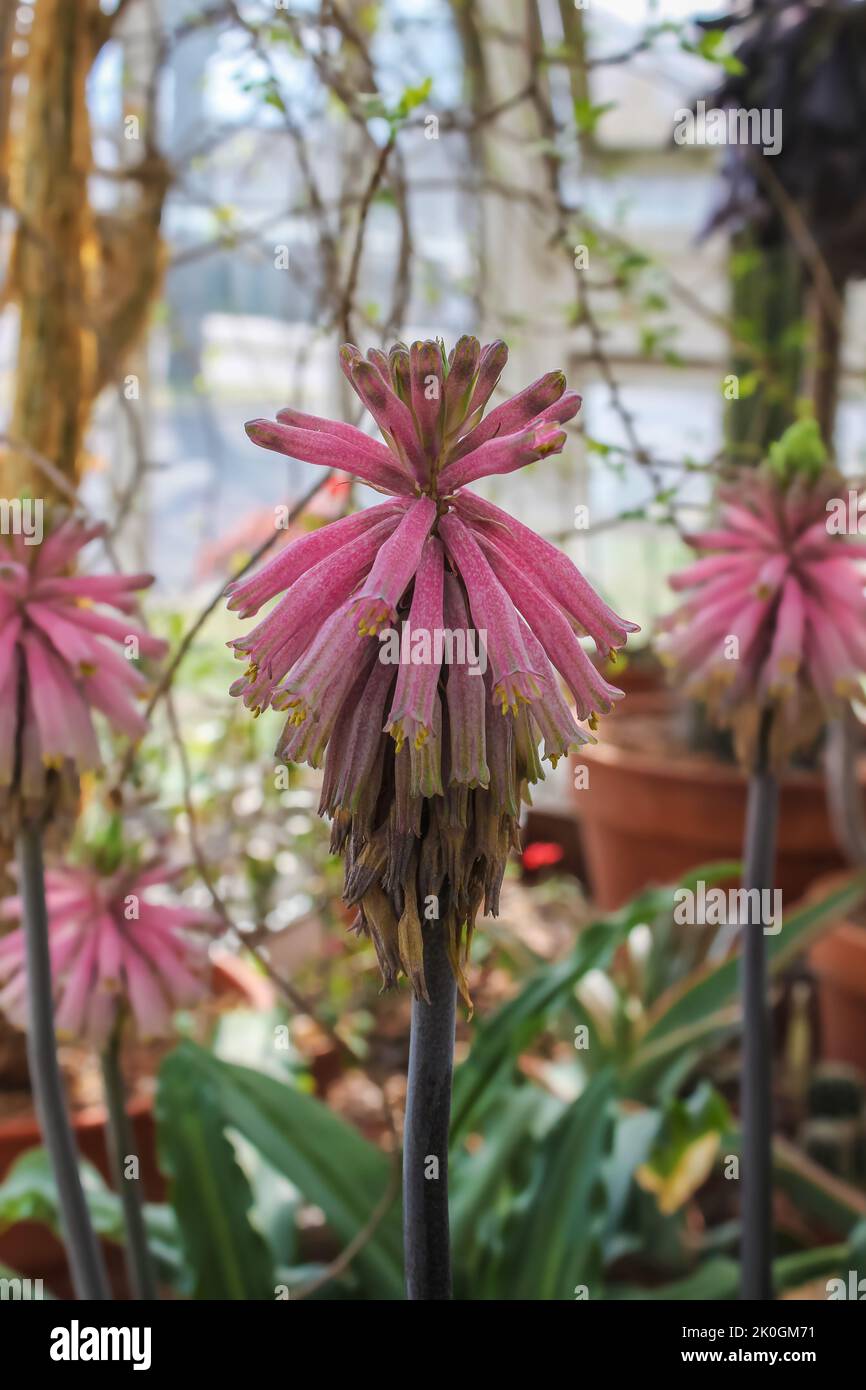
121	1149
756	1100
426	1242
85	1257
768	304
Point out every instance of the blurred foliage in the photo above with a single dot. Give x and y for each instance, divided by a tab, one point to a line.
588	1144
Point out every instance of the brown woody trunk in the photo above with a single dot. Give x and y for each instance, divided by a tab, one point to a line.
49	188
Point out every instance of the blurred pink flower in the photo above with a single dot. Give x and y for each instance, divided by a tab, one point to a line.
256	527
433	559
59	659
775	615
111	950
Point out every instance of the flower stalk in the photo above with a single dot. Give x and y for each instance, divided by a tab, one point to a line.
756	1100
425	768
426	1244
85	1257
121	1148
771	635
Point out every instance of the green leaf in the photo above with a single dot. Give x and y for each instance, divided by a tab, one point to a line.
791	1270
413	97
708	1001
684	1153
499	1040
587	116
800	450
332	1165
719	1278
831	1201
374	106
558	1237
714	1279
227	1257
633	1137
29	1193
26	1282
712	47
476	1179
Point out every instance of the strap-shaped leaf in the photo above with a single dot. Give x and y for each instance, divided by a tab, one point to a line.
499	1040
708	1001
226	1256
332	1165
558	1237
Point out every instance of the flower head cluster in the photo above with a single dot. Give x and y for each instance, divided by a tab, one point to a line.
112	950
59	659
426	762
774	616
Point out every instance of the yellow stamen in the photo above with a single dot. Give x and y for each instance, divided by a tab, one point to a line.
374	618
513	706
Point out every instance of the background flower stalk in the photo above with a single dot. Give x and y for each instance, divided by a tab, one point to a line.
59	664
117	959
772	635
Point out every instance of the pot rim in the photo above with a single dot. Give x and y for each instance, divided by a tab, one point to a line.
697	767
256	990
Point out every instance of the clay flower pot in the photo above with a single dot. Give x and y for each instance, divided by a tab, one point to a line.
838	962
30	1248
653	808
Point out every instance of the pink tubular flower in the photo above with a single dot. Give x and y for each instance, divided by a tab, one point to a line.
434	618
59	659
111	951
775	613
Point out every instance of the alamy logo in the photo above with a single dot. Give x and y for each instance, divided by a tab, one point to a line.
854	1288
729	126
22	517
21	1290
713	907
77	1343
421	646
847	516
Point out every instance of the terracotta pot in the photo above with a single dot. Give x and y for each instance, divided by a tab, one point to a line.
639	674
653	809
29	1247
838	962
